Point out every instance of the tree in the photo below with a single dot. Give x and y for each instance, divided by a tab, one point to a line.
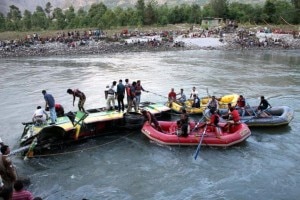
162	14
14	13
150	13
175	15
120	16
133	17
70	17
14	17
39	19
296	12
194	14
296	3
108	20
140	8
95	13
59	18
219	8
27	20
2	22
48	9
207	11
241	12
269	10
81	18
284	10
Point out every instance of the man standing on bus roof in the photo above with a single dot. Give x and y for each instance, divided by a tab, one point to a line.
50	102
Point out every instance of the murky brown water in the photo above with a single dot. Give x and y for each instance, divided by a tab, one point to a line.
128	166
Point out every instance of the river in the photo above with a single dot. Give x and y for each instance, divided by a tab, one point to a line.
127	165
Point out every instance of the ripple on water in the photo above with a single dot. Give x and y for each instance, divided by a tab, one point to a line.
264	167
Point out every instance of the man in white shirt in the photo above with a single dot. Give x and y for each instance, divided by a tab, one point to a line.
40	115
194	91
111	95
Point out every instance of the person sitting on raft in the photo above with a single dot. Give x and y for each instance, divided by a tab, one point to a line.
241	104
262	107
196	102
214	121
182	98
183	124
234	118
227	115
213	104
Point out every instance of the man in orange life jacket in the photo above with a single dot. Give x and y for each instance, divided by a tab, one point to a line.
241	103
235	118
214	121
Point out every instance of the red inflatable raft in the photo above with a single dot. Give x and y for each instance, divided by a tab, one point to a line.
168	136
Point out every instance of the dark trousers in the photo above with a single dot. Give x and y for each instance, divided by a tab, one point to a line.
121	102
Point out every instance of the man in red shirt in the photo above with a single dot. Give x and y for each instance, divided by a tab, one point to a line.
172	95
59	109
241	103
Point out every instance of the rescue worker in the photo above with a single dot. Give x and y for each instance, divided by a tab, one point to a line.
138	91
80	95
151	119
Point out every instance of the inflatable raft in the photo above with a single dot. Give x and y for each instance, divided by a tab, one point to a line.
223	101
275	116
169	136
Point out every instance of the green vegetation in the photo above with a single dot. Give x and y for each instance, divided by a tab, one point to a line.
148	13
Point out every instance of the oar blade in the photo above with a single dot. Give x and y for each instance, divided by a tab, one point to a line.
200	143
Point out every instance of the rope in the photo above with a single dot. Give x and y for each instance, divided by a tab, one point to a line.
158	94
266	22
81	150
287	22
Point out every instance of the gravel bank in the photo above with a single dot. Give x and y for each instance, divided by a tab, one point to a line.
232	41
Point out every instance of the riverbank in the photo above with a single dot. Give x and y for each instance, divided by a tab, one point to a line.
99	43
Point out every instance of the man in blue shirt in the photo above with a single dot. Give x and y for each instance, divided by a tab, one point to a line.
182	98
120	95
50	102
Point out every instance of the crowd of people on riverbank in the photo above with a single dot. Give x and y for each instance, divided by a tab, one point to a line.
97	41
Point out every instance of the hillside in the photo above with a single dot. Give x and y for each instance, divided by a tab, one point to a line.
31	5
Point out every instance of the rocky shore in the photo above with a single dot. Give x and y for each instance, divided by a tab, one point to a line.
149	43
